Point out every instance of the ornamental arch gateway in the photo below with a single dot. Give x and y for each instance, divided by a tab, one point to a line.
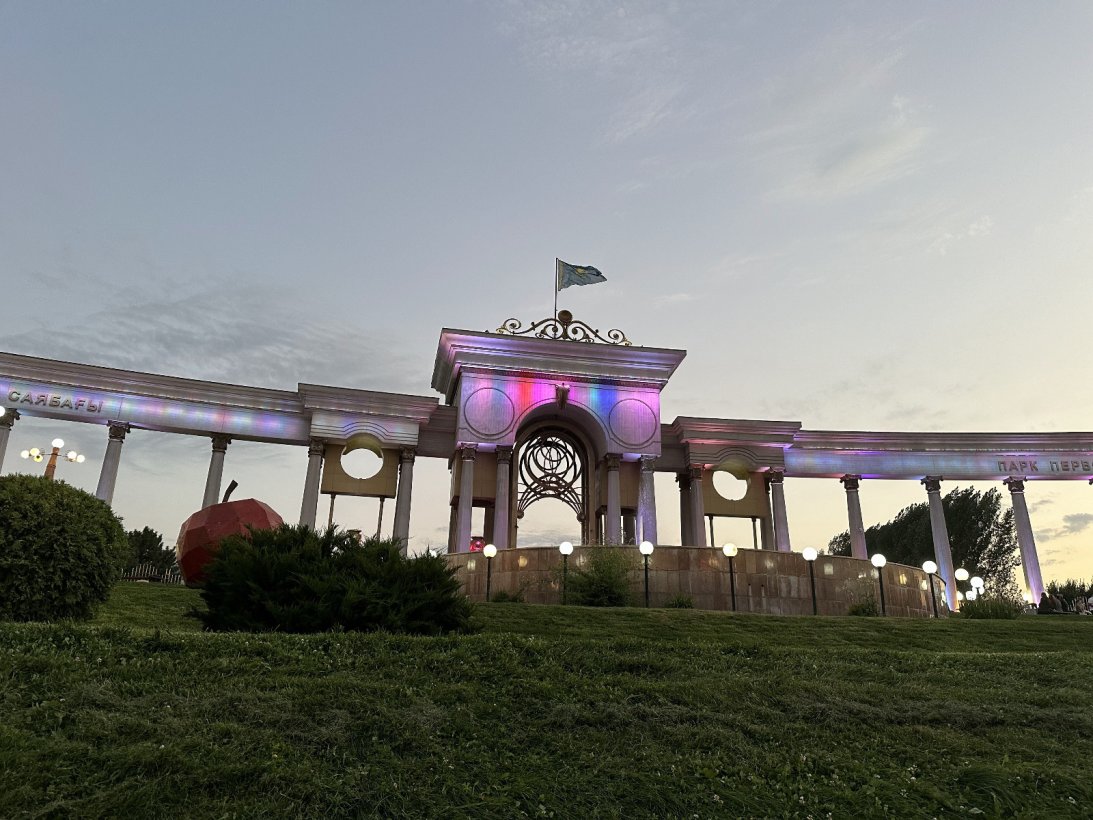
510	390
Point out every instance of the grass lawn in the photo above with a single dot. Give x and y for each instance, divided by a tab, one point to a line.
547	712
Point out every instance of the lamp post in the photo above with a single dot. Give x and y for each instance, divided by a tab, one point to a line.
646	550
809	554
961	575
37	456
730	551
489	551
566	549
879	561
929	567
977	584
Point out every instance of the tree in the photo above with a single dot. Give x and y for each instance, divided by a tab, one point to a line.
981	535
146	547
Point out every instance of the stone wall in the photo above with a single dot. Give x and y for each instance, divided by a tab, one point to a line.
775	583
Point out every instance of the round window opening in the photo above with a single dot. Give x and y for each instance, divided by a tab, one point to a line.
729	486
361	463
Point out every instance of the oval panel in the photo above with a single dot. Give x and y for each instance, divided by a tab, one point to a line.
488	412
633	422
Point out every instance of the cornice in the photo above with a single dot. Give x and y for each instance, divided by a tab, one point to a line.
367	402
964	442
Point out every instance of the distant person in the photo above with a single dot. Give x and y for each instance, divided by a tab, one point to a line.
1056	604
1045	606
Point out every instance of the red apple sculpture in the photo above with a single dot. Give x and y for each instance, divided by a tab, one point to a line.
202	532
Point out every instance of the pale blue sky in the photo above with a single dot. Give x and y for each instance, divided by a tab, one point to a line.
855	215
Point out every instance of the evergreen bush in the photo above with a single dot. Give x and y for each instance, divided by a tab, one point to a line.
992	607
61	550
294	579
681	602
603	578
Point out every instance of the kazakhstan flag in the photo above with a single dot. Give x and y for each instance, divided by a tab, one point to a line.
577	275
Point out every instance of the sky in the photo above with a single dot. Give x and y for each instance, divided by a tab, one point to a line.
856	215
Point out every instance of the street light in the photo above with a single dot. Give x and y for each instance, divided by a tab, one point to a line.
961	575
929	567
972	595
37	456
977	584
566	549
809	554
879	561
730	551
489	551
646	550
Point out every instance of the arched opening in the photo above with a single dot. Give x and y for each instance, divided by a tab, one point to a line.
551	462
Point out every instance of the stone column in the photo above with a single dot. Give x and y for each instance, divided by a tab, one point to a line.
216	471
647	502
858	547
109	473
467	454
684	481
6	421
613	525
766	525
781	520
403	493
309	508
1025	539
501	499
943	555
698	508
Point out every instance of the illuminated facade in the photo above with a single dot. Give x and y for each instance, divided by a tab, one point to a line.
555	410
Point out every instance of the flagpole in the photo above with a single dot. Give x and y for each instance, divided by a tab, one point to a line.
557	265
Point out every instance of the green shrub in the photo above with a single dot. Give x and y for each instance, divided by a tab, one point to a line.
293	579
603	578
61	550
506	597
866	605
993	607
681	602
146	547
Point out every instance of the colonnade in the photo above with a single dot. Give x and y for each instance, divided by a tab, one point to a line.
776	523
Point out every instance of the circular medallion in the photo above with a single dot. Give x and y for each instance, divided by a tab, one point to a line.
633	422
488	412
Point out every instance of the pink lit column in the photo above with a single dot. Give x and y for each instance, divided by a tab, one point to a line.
108	475
858	547
684	481
309	507
501	498
781	520
647	502
216	471
943	553
698	511
467	455
1025	539
8	418
613	526
766	524
403	494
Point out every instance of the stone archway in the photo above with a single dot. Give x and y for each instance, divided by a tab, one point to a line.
553	461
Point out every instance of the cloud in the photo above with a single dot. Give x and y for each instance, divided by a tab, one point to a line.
983	226
1073	524
675	299
237	335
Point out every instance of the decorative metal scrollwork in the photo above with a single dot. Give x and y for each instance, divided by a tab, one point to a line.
564	326
551	467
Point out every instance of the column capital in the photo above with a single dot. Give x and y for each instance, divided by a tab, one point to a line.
648	463
695	472
316	447
220	443
850	482
504	455
118	429
932	483
468	452
1015	484
407	454
776	476
683	480
9	418
612	460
